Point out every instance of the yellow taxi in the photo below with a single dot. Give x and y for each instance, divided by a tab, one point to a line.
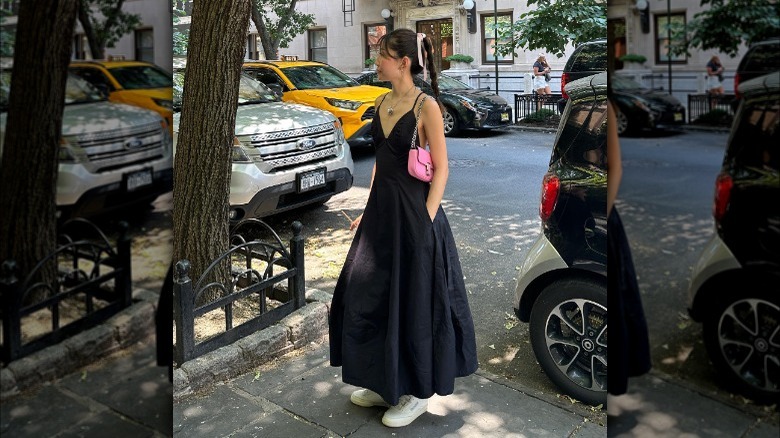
135	83
325	87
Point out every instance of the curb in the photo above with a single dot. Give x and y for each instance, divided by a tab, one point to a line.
293	332
120	331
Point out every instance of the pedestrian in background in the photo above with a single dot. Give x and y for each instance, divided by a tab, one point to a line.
541	80
714	80
400	323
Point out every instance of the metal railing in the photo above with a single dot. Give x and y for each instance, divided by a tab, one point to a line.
84	266
527	104
700	104
252	276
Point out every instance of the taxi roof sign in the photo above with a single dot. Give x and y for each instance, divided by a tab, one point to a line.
288	57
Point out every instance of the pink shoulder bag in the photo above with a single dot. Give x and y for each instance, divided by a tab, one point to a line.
420	164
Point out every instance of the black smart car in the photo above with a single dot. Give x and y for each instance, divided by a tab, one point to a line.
734	286
637	107
467	107
588	58
562	285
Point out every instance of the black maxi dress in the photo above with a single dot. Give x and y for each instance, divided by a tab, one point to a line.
400	321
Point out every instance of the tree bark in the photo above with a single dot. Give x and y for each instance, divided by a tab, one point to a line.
265	37
96	49
207	128
28	171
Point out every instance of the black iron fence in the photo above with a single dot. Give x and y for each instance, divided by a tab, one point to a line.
527	104
253	264
85	267
700	104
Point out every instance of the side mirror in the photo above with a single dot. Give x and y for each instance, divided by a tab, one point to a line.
276	88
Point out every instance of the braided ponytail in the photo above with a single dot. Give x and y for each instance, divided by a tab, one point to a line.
428	45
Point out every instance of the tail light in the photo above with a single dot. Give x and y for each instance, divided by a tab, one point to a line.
723	185
564	80
551	186
736	87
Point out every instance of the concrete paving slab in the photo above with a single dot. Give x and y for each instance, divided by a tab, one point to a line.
279	424
221	413
765	430
591	430
106	424
654	407
269	376
45	412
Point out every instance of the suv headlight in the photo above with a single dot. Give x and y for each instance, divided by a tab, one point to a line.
165	103
70	152
339	132
351	105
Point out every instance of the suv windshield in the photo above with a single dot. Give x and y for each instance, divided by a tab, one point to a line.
141	76
77	90
318	76
448	83
250	91
624	83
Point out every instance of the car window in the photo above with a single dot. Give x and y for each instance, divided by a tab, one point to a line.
582	139
624	83
761	58
448	83
93	76
141	76
250	91
318	76
591	57
754	142
77	90
267	77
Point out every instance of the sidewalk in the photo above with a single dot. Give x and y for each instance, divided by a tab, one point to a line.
657	407
300	395
123	395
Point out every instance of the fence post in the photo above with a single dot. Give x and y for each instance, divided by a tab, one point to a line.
124	283
297	284
11	305
183	312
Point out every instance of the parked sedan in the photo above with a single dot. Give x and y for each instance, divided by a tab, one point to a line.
642	108
466	107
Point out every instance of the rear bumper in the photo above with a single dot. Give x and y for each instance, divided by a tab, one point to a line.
541	258
715	258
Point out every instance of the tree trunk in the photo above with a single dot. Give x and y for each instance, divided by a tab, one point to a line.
207	125
96	49
28	171
265	37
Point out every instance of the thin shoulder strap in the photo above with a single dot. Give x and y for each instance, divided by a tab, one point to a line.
384	96
417	119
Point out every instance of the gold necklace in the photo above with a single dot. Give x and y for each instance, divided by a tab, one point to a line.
390	108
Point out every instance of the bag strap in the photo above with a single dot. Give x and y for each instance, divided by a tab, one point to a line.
417	120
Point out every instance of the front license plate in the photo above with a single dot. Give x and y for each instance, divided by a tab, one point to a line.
138	179
504	117
678	117
311	180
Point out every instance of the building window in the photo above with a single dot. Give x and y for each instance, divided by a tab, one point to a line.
488	51
80	46
254	47
318	45
373	33
144	45
662	54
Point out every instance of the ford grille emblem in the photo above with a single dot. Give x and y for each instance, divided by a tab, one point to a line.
133	143
306	143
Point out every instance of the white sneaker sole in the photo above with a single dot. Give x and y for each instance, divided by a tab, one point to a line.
404	421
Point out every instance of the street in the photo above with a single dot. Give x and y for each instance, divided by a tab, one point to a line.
665	201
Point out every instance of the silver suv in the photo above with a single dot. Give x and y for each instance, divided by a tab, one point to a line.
286	155
111	155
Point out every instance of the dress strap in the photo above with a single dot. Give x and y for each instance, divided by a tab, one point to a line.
384	96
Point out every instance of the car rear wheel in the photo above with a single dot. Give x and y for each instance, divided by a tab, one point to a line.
623	125
451	125
742	336
569	337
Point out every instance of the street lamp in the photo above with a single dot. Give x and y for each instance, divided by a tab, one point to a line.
387	14
468	4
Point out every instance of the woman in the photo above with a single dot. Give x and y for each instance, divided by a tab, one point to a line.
541	79
400	324
714	79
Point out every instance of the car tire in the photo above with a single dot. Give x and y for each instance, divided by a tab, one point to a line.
742	337
451	124
623	124
571	350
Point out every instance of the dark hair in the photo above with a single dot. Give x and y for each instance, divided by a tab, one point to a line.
404	43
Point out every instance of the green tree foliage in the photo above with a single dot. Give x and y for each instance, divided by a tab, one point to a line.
278	23
7	48
727	24
104	23
554	24
181	37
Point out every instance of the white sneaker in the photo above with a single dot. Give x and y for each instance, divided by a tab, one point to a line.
406	411
367	398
